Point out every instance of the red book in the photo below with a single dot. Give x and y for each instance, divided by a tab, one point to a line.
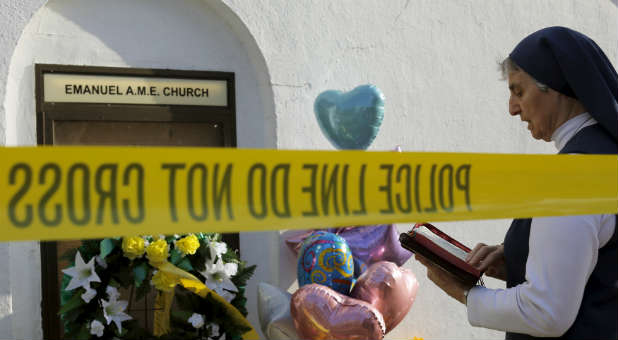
441	249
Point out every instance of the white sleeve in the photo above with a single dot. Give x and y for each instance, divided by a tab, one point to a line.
562	254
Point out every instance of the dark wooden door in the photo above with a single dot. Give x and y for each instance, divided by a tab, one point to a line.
136	125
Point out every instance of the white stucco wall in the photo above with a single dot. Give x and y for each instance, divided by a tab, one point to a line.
435	61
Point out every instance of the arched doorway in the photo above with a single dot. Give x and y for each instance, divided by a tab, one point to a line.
181	35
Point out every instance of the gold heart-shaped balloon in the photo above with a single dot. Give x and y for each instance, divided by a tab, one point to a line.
389	288
321	313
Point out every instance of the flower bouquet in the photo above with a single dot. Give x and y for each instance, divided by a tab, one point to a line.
197	281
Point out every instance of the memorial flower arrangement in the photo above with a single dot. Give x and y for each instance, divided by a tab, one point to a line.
199	284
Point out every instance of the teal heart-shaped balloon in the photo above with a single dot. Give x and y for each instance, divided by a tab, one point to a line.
350	120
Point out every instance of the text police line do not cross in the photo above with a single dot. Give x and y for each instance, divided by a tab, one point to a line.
208	189
65	192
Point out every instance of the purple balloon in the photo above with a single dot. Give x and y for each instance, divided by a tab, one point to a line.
369	244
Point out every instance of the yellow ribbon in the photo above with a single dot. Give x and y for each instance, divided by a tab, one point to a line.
163	305
196	286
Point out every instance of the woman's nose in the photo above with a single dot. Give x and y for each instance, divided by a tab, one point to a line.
514	108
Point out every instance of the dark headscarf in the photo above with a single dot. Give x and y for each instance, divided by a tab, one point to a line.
572	64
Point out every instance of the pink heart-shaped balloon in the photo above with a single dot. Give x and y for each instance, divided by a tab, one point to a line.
321	313
388	288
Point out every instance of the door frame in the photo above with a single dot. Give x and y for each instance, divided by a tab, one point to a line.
48	112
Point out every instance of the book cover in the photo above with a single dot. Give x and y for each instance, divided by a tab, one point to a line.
443	250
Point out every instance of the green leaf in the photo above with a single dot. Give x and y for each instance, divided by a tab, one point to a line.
140	272
185	264
75	301
71	315
230	256
243	275
90	248
107	246
181	315
84	333
175	256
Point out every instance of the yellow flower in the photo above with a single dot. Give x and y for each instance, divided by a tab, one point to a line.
133	247
164	281
188	244
157	252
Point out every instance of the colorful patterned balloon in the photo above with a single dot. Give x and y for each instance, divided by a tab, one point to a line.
369	244
326	259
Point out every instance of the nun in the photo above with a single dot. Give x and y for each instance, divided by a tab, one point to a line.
560	272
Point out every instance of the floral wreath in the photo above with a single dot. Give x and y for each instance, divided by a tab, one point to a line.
196	272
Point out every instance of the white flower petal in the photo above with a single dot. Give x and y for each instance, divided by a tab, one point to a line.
230	269
97	328
119	318
101	262
214	329
217	249
226	295
112	292
229	285
89	295
113	311
81	273
196	320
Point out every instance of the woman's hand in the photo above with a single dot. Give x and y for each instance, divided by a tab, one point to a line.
489	259
445	280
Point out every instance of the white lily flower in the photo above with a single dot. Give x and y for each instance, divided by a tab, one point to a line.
216	250
218	278
89	294
113	310
82	273
112	293
196	320
97	328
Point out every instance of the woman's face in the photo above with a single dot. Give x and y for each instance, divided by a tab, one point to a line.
542	110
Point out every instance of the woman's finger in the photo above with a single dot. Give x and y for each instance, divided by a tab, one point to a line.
489	260
475	250
476	259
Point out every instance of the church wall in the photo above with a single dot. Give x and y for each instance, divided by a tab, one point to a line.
435	61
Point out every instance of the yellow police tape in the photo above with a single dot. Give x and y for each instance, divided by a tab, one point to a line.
52	193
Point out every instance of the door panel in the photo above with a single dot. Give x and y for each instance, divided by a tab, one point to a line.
137	133
95	123
131	133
